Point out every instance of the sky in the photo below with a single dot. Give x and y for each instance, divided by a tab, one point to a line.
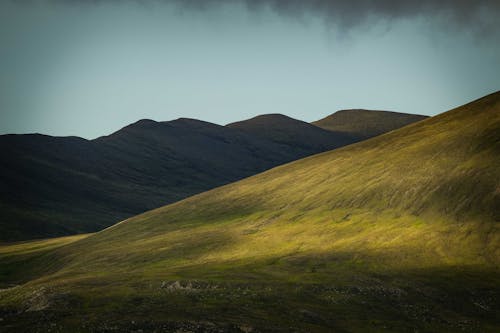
88	68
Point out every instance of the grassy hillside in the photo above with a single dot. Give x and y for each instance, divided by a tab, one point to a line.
397	233
366	123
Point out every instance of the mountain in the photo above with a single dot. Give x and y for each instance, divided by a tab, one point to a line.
64	185
366	123
397	233
304	138
54	186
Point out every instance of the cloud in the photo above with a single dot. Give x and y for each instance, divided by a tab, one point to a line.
478	16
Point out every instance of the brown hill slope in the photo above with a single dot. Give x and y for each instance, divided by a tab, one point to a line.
366	123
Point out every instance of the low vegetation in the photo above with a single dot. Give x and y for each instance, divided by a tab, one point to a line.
397	233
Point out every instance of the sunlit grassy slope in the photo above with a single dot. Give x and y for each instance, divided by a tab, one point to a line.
400	232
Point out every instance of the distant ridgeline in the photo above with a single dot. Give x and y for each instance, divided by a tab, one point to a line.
53	186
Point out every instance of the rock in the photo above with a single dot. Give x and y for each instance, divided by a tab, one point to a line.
310	316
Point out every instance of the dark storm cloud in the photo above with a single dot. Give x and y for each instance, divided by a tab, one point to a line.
474	15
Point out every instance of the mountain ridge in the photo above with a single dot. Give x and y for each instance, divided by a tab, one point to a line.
55	186
286	130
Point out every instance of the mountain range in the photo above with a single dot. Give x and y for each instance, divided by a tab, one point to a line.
54	186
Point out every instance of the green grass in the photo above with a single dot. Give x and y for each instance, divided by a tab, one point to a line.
398	233
19	260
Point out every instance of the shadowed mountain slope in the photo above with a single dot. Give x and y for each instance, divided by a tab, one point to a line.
54	186
366	123
60	185
304	138
398	232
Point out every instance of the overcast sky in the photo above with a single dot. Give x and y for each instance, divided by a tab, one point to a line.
88	68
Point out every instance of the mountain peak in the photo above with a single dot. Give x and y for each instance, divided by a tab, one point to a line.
268	119
183	121
292	132
142	123
361	111
366	123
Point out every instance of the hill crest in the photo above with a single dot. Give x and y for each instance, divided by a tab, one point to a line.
366	123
